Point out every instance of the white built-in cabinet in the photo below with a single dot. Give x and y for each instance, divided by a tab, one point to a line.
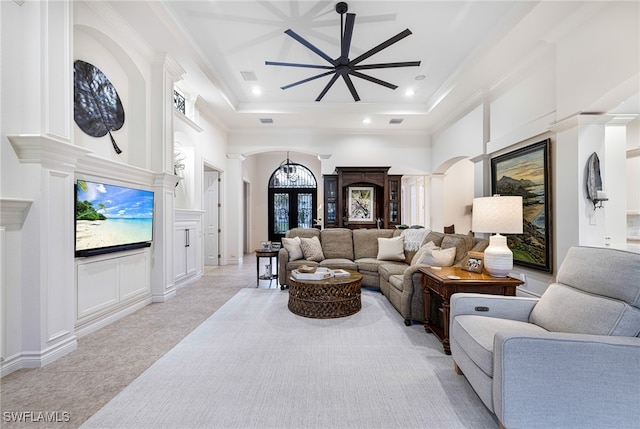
187	244
110	283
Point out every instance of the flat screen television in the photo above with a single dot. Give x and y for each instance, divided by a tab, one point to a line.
111	218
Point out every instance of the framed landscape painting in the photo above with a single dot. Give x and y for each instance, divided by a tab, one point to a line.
526	172
360	204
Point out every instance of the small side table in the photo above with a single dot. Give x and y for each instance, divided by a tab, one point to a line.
268	275
440	284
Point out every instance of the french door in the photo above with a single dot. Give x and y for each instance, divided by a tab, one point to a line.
290	208
292	200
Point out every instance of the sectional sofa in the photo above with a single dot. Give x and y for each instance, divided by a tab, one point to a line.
395	274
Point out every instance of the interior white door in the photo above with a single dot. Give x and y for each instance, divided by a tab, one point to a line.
211	217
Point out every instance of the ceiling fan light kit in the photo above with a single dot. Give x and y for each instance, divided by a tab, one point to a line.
343	66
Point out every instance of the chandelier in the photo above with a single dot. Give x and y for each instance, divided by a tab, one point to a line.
288	169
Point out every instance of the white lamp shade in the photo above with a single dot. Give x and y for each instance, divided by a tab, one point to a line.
497	214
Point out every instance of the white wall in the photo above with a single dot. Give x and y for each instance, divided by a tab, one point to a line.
580	66
405	153
596	55
462	139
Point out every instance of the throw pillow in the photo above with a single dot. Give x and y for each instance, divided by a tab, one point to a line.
391	249
293	247
311	249
440	257
419	256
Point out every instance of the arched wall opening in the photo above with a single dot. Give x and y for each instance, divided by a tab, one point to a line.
452	193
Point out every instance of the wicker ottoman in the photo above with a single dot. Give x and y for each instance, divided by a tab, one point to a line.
326	299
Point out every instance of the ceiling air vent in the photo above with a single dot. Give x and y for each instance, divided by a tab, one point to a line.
396	121
249	76
266	120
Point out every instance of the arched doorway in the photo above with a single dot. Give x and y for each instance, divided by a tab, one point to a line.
292	199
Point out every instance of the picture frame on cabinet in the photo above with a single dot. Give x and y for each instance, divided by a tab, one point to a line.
360	204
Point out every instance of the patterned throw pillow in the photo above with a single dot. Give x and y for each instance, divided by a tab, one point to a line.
293	247
391	249
312	249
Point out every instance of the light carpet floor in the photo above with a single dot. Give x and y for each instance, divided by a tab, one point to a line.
254	364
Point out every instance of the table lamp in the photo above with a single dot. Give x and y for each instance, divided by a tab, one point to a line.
495	215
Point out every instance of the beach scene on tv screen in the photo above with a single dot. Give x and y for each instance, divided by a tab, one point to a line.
108	215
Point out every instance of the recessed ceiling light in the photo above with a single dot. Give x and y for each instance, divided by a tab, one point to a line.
420	77
256	90
366	121
396	121
409	92
266	120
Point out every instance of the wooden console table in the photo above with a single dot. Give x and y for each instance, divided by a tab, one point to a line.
440	284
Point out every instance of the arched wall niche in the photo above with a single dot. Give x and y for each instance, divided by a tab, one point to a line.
97	48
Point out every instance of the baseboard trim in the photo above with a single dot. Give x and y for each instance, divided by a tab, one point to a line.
38	359
163	297
89	328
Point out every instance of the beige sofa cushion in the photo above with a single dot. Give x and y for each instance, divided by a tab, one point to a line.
365	241
462	243
391	249
337	243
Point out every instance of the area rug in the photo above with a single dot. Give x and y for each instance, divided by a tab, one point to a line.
254	364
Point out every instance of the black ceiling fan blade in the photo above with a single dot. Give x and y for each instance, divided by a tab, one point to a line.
373	79
387	65
381	46
309	66
352	88
348	33
309	45
328	86
309	79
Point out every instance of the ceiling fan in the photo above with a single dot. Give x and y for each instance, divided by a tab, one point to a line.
343	66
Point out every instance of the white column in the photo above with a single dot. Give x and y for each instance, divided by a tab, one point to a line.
234	209
46	271
164	72
615	160
436	191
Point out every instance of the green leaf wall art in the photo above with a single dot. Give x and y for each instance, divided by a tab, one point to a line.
97	107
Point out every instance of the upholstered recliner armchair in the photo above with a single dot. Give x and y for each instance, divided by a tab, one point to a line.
570	359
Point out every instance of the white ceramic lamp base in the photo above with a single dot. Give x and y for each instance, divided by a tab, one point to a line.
498	258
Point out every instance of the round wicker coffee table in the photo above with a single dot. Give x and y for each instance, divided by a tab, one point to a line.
326	299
